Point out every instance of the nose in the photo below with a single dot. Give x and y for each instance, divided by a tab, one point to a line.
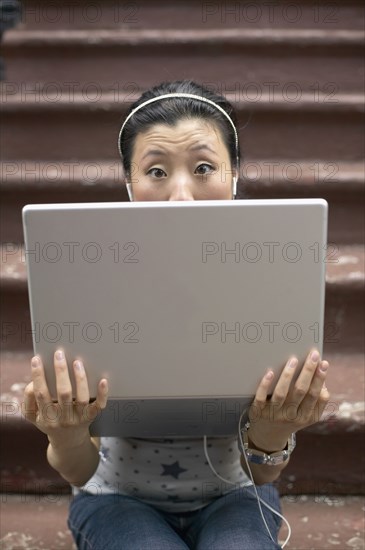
181	189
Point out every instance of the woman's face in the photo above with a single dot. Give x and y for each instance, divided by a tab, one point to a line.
183	163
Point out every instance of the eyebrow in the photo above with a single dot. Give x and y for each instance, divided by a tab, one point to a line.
200	147
153	152
157	152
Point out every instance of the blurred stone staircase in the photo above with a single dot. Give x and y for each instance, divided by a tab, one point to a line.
295	74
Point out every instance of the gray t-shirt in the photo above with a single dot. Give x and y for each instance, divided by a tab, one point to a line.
172	475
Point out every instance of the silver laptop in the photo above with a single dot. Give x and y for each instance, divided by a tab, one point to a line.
182	306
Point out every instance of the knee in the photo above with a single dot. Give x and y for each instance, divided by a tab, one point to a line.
239	528
237	540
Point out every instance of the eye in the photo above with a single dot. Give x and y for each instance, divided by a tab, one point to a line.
158	172
204	171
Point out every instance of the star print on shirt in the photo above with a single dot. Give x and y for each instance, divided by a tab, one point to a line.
173	470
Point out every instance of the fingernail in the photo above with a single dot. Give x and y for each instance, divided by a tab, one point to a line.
293	362
323	367
35	362
59	355
315	356
269	375
78	365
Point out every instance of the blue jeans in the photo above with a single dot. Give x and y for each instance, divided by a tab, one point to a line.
230	522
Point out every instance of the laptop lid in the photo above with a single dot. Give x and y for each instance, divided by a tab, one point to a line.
182	306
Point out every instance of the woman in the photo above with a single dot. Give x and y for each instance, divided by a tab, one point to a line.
132	492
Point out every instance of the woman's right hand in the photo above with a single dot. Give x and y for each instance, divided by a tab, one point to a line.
66	421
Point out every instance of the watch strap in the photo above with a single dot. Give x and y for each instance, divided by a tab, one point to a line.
260	457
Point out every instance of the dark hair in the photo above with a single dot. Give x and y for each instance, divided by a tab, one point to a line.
171	110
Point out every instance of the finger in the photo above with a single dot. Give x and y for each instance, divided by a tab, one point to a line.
319	409
102	395
282	387
309	403
304	380
263	390
82	386
99	404
41	393
29	405
63	386
323	402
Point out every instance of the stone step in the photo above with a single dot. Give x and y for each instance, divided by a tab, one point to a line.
343	325
317	523
84	130
43	522
319	466
249	63
342	184
182	14
324	523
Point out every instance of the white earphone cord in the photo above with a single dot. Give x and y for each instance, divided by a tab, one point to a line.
247	484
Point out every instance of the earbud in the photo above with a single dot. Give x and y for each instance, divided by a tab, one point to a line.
234	186
129	191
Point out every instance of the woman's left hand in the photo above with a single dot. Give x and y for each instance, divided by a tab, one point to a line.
291	407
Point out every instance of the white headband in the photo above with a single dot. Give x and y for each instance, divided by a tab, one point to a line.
193	96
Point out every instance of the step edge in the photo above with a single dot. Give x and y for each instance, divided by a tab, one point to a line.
161	37
16	103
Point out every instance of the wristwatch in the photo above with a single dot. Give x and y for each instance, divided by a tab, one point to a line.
260	457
